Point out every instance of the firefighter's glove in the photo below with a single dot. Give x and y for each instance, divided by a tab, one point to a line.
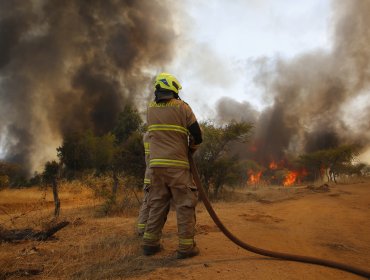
193	149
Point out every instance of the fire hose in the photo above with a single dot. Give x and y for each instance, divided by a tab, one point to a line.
278	255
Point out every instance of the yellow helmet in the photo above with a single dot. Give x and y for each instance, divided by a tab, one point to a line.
167	81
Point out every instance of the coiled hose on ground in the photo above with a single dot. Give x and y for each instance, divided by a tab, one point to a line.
279	255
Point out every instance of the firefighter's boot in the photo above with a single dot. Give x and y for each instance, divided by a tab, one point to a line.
188	254
151	250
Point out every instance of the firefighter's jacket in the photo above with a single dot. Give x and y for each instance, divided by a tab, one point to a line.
147	155
168	124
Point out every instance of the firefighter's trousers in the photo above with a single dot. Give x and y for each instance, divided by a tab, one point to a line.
144	211
175	184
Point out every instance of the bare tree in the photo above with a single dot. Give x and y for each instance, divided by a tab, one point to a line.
50	174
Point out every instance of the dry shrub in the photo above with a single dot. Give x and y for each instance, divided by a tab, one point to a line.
100	185
125	203
75	187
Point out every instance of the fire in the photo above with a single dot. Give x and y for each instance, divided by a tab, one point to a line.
273	165
290	178
254	177
304	173
253	148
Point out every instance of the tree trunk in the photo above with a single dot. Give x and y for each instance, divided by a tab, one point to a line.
321	175
206	184
29	234
327	173
216	190
56	198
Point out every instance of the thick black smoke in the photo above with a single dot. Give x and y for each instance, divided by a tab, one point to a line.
317	96
70	65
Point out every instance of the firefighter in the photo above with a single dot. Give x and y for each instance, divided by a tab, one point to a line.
144	209
171	123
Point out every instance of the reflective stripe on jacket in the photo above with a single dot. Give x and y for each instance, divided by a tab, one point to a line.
167	126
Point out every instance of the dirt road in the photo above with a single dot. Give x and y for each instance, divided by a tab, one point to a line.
333	225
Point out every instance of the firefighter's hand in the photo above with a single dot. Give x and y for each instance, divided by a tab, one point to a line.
193	149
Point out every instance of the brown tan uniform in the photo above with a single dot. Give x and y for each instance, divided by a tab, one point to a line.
144	209
170	174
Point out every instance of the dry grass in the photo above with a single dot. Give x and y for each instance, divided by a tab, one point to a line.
33	207
88	249
93	246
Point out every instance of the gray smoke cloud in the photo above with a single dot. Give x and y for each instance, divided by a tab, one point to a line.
314	95
229	110
72	65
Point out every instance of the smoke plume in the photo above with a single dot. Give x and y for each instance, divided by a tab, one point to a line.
71	65
230	110
319	98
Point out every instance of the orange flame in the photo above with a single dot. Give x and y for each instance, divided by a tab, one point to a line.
253	148
273	165
304	172
254	177
290	178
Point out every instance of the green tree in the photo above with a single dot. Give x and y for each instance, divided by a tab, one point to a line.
315	163
76	151
129	152
128	122
11	175
331	162
226	171
216	164
366	170
339	158
85	151
105	150
118	153
130	157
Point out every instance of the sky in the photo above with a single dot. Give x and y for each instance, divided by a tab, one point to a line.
229	36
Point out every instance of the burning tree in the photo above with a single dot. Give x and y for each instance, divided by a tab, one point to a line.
252	171
254	178
290	178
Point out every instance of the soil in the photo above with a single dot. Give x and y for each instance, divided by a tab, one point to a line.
330	222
